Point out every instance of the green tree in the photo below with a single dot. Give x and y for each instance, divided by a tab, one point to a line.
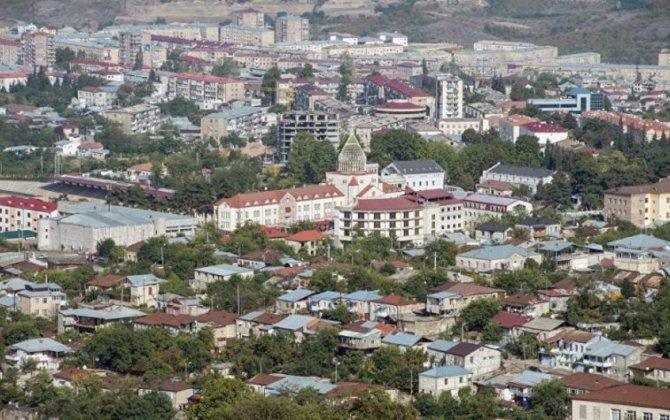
376	404
307	70
226	68
476	314
218	395
491	333
310	159
105	247
527	151
150	406
268	85
397	145
551	397
340	314
139	61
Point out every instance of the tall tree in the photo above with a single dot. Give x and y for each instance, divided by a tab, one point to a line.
309	159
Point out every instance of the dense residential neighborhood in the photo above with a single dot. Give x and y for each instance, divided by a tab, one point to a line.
257	219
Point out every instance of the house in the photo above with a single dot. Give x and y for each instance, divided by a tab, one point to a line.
173	323
510	324
363	336
546	133
255	322
40	299
90	319
297	324
359	302
655	368
45	352
521	386
418	175
178	305
223	325
444	303
403	341
494	258
293	301
558	299
539	227
582	383
543	327
260	259
441	379
392	306
221	272
450	299
525	304
623	402
106	282
144	289
177	392
566	349
610	358
499	188
478	359
638	253
307	241
324	301
493	232
518	176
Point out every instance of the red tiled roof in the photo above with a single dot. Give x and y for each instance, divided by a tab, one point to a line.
509	320
264	255
386	204
174	386
274	196
400	87
273	233
13	74
552	293
588	381
70	374
544	127
471	289
497	185
264	379
652	363
522	299
107	281
269	318
307	236
28	203
634	395
399	105
218	318
10	42
395	300
165	320
464	349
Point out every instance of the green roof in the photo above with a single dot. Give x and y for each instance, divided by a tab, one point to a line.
18	234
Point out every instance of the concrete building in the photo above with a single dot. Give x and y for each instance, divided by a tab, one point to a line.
399	218
136	119
323	126
641	205
517	176
381	89
577	100
477	207
177	392
664	57
47	353
208	92
94	96
40	299
131	46
246	35
80	226
249	17
222	272
10	51
546	133
37	49
449	94
90	319
290	28
19	213
144	289
457	126
622	402
510	127
418	175
441	379
496	258
278	207
246	121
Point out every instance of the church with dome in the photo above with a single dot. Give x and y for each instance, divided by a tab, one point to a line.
357	178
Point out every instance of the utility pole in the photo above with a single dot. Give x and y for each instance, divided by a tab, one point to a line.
238	298
434	261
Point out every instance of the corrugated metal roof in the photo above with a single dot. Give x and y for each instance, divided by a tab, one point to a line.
445	372
498	252
402	339
37	345
363	295
296	295
441	346
223	270
294	322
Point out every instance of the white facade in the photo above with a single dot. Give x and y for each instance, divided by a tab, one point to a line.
517	176
18	213
449	94
418	175
448	382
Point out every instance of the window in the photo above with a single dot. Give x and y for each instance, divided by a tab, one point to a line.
648	416
582	411
630	415
665	417
615	414
446	381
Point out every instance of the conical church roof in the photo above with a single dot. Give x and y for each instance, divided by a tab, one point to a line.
352	156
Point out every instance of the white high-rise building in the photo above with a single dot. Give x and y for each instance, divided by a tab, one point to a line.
449	97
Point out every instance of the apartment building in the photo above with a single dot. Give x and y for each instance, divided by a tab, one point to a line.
381	89
40	299
477	207
642	205
291	29
208	92
37	49
443	213
249	17
640	129
10	51
510	127
398	218
546	133
19	213
457	126
136	119
622	402
278	207
130	45
449	94
518	175
324	126
246	35
247	121
95	96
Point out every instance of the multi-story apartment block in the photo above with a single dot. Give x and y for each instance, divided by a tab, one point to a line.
246	35
510	128
208	92
640	129
443	213
249	17
380	89
94	96
322	125
246	121
10	51
449	94
291	29
37	49
623	401
278	207
130	45
477	207
40	299
642	205
397	218
136	119
19	213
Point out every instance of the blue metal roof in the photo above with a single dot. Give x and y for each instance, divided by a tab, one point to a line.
606	348
498	252
296	295
441	346
640	241
251	315
445	372
7	302
327	295
402	339
294	322
556	246
363	295
530	378
296	383
38	345
223	270
144	279
444	295
108	314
